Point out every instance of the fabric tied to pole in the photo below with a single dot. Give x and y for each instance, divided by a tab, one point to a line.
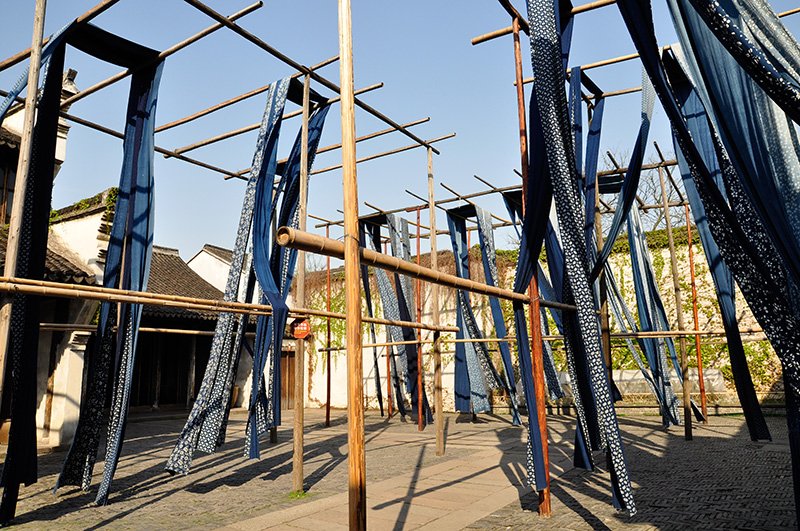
547	60
131	240
473	359
370	312
698	123
649	306
736	230
631	183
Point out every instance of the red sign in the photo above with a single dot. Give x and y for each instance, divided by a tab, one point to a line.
301	329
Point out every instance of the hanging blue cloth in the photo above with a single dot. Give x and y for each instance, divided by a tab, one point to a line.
397	362
698	123
649	305
547	61
362	235
401	248
748	256
275	270
631	183
20	464
131	241
472	364
202	428
484	369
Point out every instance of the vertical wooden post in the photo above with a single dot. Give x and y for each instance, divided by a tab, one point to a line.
537	356
420	409
676	286
328	337
695	313
300	349
357	487
190	379
23	165
435	308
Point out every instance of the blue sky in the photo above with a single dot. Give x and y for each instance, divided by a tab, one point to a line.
420	49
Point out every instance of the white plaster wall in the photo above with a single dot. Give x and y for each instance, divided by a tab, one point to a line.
211	269
80	234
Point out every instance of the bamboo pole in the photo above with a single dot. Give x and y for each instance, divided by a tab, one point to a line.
332	147
435	309
85	17
524	25
252	127
356	458
23	166
310	242
676	286
304	69
328	338
161	56
235	99
74	291
437	203
385	153
299	359
534	311
695	315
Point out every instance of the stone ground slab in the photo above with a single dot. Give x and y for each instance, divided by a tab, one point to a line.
720	480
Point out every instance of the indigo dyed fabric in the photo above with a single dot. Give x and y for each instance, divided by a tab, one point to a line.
20	465
130	241
401	248
275	266
547	61
631	183
362	234
208	409
698	123
474	359
744	251
397	362
752	100
649	306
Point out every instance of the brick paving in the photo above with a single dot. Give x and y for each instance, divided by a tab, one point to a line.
720	480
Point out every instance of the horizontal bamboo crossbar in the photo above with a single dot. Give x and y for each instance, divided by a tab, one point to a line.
524	24
235	99
252	127
66	327
368	136
313	243
85	17
74	291
385	153
297	66
161	56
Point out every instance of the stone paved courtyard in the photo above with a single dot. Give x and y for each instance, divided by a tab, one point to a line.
720	480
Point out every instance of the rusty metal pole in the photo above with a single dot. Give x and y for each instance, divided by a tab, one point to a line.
388	359
537	356
700	380
23	165
420	409
356	459
328	338
676	286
